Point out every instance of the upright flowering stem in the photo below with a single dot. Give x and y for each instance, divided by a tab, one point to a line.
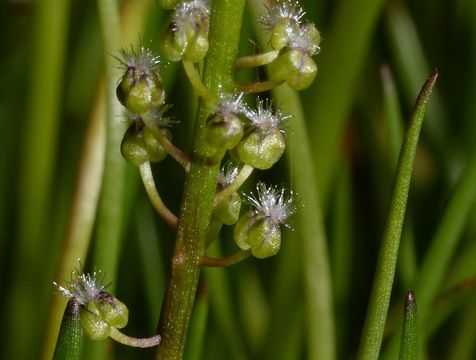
200	185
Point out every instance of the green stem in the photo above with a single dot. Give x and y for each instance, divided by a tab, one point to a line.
256	60
68	346
409	345
200	186
132	341
372	335
232	259
196	81
244	174
149	184
170	148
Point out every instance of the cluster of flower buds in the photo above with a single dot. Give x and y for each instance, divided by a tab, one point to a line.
99	310
296	41
139	144
187	35
140	91
263	143
258	144
259	229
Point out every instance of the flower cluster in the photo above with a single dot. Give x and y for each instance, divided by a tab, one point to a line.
140	90
296	41
99	310
187	35
259	229
263	143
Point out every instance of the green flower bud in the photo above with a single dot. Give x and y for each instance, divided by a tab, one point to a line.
140	87
174	44
228	211
198	48
113	311
294	66
224	132
93	325
310	31
144	95
259	149
264	238
133	147
242	229
259	229
279	33
187	35
139	145
156	152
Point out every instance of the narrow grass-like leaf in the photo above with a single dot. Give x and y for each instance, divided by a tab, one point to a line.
68	346
446	239
464	346
341	257
372	335
310	230
36	161
407	263
409	344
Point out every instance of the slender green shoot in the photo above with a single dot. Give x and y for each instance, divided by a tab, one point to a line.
409	344
68	346
372	335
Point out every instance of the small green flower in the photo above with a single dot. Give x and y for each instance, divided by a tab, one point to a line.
224	128
263	143
294	63
140	88
260	228
99	310
187	35
139	144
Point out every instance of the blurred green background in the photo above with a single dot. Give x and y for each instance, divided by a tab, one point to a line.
375	56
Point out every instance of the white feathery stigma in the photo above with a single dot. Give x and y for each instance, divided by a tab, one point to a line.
284	9
263	116
142	60
228	174
189	13
230	104
299	39
273	203
82	287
